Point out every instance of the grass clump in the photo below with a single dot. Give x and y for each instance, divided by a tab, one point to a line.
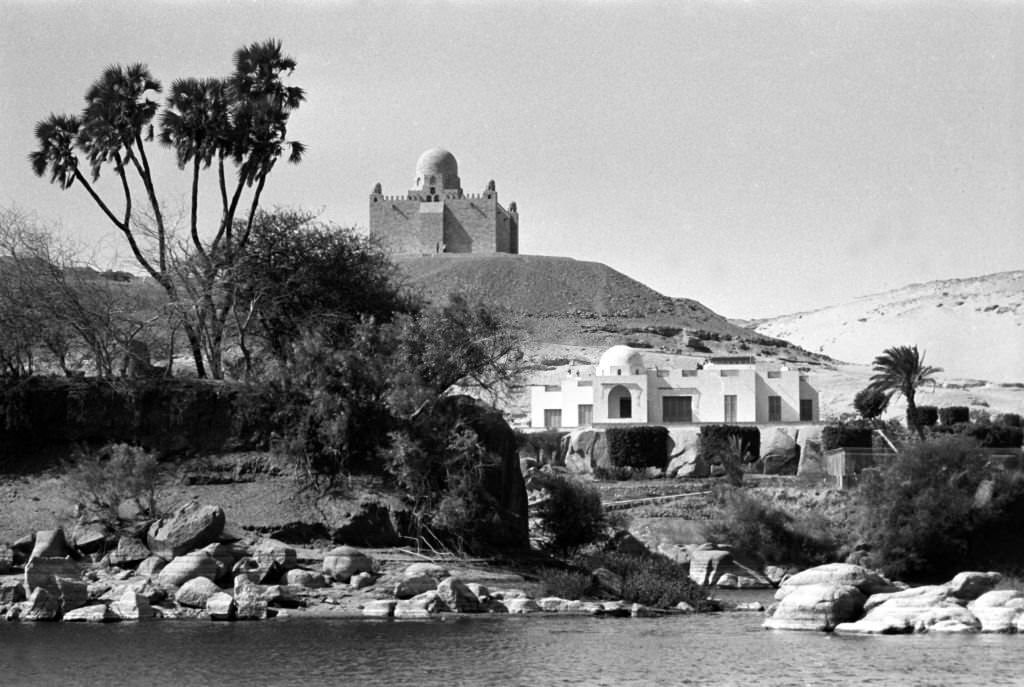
100	482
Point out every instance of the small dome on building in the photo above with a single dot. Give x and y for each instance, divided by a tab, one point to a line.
620	360
439	164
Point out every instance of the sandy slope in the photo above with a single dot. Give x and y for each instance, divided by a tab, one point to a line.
973	328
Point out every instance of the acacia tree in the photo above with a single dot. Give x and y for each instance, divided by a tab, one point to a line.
237	122
901	370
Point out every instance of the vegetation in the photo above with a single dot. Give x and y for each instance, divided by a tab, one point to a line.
731	446
652	580
638	446
843	433
901	370
954	415
571	515
104	481
870	403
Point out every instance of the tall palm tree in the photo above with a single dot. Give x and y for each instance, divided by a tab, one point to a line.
901	370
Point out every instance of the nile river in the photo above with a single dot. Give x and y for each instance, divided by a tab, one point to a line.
720	649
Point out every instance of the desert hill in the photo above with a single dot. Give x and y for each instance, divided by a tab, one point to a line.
973	328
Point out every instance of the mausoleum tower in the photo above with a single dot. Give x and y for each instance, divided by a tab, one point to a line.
435	216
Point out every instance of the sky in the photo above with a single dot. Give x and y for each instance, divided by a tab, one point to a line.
760	157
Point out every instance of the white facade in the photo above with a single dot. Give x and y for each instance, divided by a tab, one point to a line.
623	390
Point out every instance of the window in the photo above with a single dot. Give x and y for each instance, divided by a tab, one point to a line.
730	408
586	415
552	387
774	409
688	373
553	418
774	374
677	409
806	410
729	373
625	407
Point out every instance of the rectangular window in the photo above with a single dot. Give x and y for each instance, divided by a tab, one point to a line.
730	408
774	374
552	387
625	407
688	373
729	373
774	409
553	418
806	410
677	409
586	414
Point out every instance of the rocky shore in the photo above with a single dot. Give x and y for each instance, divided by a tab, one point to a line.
188	565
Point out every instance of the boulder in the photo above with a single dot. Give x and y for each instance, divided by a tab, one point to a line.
812	461
94	613
151	566
189	527
224	554
372	525
380	608
607	581
838	574
479	591
521	606
72	593
951	619
305	578
90	538
220	606
998	611
780	454
361	580
270	551
457	596
142	586
431	570
553	604
12	590
42	572
267	571
898	612
641	611
685	459
414	586
132	606
714	566
184	568
584	450
195	592
914	597
130	551
421	606
341	563
50	544
615	609
971	585
817	607
41	605
249	601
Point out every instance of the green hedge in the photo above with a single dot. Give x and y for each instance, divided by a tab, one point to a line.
927	416
954	415
846	435
638	446
988	435
1010	420
715	438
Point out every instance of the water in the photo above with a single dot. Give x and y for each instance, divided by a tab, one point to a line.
721	649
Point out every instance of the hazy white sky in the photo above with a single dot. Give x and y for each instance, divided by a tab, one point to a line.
760	157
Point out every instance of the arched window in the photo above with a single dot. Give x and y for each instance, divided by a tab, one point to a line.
620	403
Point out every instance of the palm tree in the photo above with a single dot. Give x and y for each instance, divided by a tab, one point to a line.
901	370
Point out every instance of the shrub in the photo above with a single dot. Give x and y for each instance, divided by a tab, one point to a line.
927	416
652	580
750	524
870	403
566	584
714	441
846	434
103	480
1010	420
640	446
953	415
572	515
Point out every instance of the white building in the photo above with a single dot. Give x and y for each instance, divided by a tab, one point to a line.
622	389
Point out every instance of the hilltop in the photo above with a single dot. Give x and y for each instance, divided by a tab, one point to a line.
973	328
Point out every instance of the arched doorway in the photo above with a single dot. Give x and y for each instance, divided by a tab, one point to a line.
620	403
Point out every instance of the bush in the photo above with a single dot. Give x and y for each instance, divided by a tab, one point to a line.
572	515
954	415
102	481
652	580
749	524
715	441
870	403
640	446
936	508
565	584
846	434
927	416
1010	420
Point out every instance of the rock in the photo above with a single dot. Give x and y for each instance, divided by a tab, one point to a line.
915	597
95	613
380	608
221	606
130	551
999	611
361	580
838	574
72	593
776	574
42	572
6	559
479	591
272	551
12	590
607	581
625	543
408	588
196	592
521	606
506	594
305	578
267	571
184	568
132	606
24	545
818	607
421	606
41	605
249	601
341	563
615	609
641	611
142	586
751	606
812	461
553	604
224	555
189	527
971	585
151	566
457	596
780	454
372	525
50	544
951	619
283	596
685	607
431	570
685	459
90	538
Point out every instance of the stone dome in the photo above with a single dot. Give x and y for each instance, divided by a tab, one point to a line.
620	360
440	164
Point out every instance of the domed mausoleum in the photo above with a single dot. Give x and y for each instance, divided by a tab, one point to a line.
435	216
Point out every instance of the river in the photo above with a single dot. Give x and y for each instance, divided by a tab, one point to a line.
716	649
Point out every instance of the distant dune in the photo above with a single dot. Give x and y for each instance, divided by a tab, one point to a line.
973	328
